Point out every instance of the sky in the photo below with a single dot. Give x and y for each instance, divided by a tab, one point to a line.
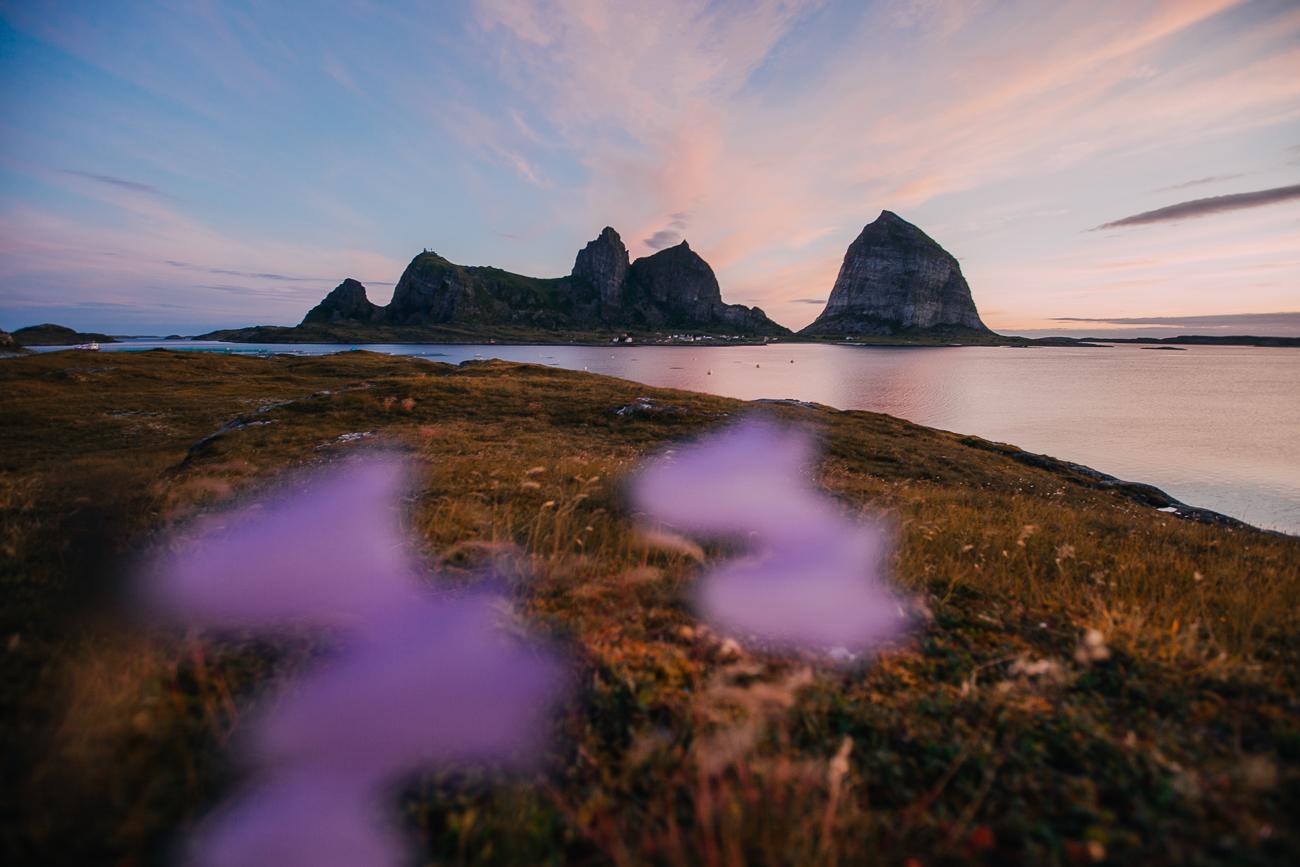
1109	167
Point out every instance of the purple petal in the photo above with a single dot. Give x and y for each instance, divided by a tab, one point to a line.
300	820
750	478
445	685
329	553
814	578
810	598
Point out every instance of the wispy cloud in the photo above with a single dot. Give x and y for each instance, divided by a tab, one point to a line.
1207	206
265	275
662	238
1219	321
1198	182
119	183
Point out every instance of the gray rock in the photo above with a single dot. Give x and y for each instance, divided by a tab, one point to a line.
676	288
435	291
347	302
895	279
673	288
601	267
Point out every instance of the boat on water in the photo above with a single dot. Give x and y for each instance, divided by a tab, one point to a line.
89	347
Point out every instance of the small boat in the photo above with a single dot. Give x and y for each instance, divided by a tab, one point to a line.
89	347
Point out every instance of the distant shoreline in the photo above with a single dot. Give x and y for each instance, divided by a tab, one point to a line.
442	334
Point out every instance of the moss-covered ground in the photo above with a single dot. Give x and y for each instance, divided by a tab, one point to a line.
986	737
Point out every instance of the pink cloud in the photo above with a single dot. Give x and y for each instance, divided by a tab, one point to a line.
655	104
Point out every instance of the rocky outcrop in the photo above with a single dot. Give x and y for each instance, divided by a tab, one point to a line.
896	280
49	334
674	288
601	267
347	302
434	291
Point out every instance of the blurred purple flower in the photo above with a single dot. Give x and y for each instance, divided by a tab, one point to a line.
446	684
418	677
299	818
814	579
329	553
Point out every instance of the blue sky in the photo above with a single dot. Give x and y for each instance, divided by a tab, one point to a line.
181	166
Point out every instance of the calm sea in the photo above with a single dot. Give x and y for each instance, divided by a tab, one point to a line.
1216	427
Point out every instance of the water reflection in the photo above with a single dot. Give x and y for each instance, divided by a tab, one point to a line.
1214	426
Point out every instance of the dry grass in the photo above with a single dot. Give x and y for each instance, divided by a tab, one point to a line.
989	736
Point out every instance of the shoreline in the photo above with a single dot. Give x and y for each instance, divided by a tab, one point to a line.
723	342
1141	493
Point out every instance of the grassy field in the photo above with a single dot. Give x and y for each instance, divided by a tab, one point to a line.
991	736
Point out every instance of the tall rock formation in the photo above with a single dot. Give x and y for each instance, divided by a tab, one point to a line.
346	303
674	288
434	291
895	279
602	267
677	288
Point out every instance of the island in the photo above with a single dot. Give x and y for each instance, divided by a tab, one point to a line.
896	286
605	297
49	334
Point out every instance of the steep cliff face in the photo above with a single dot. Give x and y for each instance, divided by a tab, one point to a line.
346	303
895	279
673	288
434	291
601	267
676	288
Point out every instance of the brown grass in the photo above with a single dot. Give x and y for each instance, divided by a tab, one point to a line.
981	739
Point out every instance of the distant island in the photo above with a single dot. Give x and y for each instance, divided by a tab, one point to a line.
49	334
673	290
1203	340
896	286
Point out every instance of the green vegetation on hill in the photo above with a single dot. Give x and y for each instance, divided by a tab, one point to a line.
50	334
995	735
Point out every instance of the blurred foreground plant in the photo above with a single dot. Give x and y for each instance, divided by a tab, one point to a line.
421	678
416	678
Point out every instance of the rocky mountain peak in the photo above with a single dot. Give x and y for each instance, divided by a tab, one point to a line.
602	265
347	301
678	276
897	279
672	288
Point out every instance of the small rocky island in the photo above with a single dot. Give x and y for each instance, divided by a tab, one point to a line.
672	290
49	334
897	281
